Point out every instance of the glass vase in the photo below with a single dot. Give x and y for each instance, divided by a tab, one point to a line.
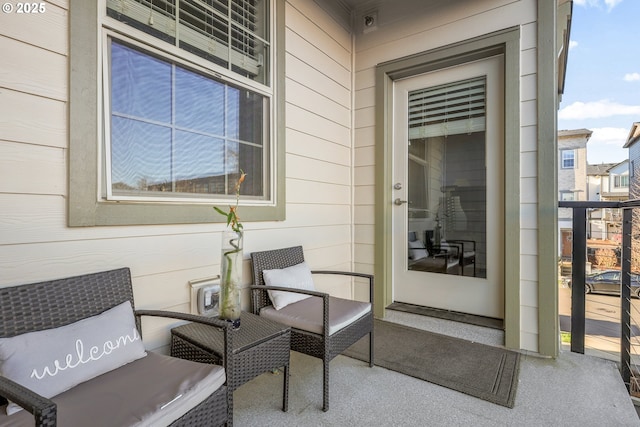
231	277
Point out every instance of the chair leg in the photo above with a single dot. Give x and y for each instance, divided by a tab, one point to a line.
325	384
230	407
285	393
371	348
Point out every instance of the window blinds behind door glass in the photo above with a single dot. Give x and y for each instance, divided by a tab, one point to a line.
450	109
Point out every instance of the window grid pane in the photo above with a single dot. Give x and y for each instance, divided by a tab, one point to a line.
191	134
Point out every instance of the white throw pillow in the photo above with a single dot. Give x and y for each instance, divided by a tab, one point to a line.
297	276
51	361
417	250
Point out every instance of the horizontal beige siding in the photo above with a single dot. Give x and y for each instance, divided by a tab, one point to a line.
330	161
36	244
47	31
528	189
30	118
21	73
409	27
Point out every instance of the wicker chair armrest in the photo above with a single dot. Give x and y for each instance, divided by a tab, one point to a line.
351	273
451	248
443	255
294	290
344	273
44	410
462	242
211	321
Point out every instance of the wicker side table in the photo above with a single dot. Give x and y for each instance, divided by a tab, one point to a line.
259	345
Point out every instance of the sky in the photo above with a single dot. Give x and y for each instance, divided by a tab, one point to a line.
602	88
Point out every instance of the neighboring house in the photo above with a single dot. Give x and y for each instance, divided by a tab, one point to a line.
618	188
634	160
572	161
121	128
607	182
572	180
634	189
597	180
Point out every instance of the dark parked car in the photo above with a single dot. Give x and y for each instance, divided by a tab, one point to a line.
608	282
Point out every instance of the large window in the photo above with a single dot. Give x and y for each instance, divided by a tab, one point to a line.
186	98
175	132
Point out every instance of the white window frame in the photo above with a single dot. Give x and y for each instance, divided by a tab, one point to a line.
112	28
566	157
86	204
618	181
568	196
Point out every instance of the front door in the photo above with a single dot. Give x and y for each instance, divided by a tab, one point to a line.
448	234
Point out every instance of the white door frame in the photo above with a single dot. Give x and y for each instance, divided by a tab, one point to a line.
472	295
506	42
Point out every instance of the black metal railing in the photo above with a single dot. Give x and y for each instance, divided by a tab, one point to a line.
628	313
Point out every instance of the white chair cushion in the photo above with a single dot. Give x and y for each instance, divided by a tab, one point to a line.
297	276
417	250
54	360
452	262
307	314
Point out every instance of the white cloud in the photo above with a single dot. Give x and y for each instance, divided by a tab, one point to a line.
597	110
572	44
608	136
605	145
631	77
610	4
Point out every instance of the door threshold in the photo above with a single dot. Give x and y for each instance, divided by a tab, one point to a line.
487	322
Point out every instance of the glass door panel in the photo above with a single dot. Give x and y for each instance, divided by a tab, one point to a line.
447	177
448	185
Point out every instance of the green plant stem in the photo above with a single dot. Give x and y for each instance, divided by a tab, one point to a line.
228	301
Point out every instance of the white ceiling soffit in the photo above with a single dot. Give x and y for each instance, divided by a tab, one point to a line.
352	14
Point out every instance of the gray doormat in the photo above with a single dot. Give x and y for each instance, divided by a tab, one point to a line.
487	322
486	372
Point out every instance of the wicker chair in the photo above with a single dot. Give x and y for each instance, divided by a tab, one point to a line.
55	303
467	251
323	345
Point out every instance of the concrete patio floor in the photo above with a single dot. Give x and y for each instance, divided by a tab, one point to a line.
572	390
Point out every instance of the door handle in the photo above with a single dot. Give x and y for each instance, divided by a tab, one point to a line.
399	202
